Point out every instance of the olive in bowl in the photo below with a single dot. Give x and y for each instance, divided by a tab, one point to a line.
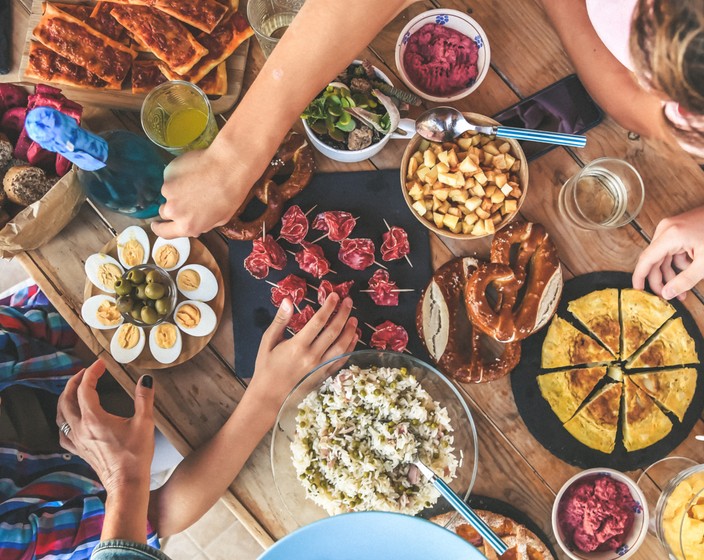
146	295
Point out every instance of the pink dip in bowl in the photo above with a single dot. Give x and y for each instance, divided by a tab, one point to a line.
597	514
440	60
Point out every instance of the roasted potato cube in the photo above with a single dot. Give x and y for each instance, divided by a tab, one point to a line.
489	226
476	140
488	159
468	166
419	207
486	204
478	228
481	178
500	179
421	172
452	160
490	175
471	218
427	190
495	208
459	195
448	179
481	213
475	158
412	168
491	148
437	148
444	157
450	221
507	189
441	194
454	211
516	167
490	190
516	192
496	218
432	175
438	219
505	148
457	228
464	143
510	160
478	190
418	156
500	162
473	203
511	206
429	158
444	207
416	192
436	203
497	197
466	229
442	168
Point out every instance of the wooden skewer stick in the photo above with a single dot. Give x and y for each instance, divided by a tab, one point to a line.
320	238
404	256
379	264
309	211
375	329
395	290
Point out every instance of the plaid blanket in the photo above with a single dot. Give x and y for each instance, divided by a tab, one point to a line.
51	506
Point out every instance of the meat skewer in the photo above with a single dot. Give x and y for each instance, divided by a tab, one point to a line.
404	248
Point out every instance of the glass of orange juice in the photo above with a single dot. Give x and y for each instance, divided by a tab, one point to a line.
177	116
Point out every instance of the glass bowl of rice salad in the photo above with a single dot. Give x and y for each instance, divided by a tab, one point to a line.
347	435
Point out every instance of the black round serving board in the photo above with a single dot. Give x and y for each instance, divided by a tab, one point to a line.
507	510
544	424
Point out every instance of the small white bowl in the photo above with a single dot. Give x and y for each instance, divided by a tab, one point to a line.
353	156
454	20
634	539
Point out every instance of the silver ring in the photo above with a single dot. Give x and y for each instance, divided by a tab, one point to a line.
65	428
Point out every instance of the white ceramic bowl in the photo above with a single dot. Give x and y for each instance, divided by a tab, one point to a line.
353	156
638	531
454	20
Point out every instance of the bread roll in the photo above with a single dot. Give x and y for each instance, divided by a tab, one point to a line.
25	184
5	151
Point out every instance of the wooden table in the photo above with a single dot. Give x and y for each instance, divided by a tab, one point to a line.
193	400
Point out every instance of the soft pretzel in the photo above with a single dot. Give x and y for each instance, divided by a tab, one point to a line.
294	149
533	272
445	330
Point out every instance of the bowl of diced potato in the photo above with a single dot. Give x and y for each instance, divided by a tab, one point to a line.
468	188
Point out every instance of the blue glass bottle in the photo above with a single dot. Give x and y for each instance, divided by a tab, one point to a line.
118	169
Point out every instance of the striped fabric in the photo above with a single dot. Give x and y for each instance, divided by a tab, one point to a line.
51	506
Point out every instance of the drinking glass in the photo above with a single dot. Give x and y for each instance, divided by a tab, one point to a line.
270	19
607	193
177	117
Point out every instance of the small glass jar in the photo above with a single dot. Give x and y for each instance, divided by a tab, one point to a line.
169	297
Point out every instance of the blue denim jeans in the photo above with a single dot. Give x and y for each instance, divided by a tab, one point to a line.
126	550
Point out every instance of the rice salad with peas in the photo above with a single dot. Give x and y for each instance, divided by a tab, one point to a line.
357	436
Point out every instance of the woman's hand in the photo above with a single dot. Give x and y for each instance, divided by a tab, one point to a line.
674	261
119	449
281	362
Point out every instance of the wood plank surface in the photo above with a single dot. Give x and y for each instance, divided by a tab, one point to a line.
193	400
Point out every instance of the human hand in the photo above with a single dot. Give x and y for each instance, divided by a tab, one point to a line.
118	449
674	261
281	362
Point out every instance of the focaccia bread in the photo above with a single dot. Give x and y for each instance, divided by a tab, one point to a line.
522	543
598	311
565	346
642	313
565	391
595	425
671	346
673	389
643	422
84	46
165	36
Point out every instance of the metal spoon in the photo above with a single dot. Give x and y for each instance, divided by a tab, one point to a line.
443	124
456	502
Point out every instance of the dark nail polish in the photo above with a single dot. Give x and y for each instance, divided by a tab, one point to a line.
147	381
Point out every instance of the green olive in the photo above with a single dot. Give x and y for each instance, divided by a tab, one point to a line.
150	303
136	276
162	306
123	286
155	290
136	313
125	304
153	276
140	294
149	315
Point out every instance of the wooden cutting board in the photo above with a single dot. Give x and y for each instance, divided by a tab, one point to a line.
125	99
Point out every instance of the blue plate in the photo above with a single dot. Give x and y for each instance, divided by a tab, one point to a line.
372	535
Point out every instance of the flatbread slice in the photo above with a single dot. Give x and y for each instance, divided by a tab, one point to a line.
565	346
102	20
643	422
595	425
215	81
47	66
84	46
522	543
673	389
146	75
166	37
642	313
201	14
671	346
598	311
232	31
566	390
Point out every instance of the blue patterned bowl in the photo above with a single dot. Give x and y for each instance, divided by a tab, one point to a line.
635	537
455	20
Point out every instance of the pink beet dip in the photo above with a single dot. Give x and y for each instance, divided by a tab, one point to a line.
597	514
440	60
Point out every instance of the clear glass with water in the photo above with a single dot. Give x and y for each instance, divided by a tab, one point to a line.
270	19
607	193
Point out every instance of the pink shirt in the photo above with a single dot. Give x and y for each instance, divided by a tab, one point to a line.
612	22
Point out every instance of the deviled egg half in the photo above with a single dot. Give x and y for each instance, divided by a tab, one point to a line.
171	254
165	343
197	282
102	270
195	318
101	312
133	247
127	343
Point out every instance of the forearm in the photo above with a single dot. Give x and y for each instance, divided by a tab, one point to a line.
126	513
611	84
323	39
202	477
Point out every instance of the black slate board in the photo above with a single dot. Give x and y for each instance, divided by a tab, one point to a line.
547	428
369	195
507	510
